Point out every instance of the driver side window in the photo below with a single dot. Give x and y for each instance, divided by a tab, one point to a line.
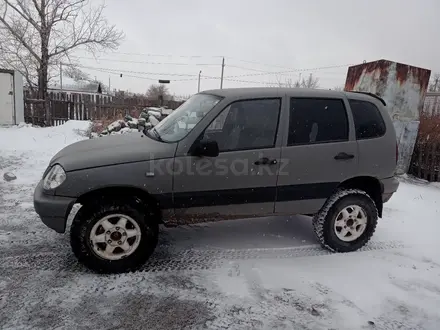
244	125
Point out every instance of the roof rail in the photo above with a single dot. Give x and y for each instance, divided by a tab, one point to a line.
373	95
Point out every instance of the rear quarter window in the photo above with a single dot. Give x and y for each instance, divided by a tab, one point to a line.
368	120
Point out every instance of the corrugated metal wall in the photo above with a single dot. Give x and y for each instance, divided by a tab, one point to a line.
403	87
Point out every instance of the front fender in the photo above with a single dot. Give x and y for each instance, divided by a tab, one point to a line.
154	177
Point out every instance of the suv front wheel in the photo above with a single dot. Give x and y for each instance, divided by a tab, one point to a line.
347	221
113	236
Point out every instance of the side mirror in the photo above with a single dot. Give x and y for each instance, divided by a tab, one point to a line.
207	149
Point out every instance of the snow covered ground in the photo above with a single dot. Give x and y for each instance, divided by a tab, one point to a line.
247	274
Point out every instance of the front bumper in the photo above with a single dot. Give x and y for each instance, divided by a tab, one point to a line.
390	186
53	210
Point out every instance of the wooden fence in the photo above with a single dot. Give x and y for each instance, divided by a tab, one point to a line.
425	162
85	106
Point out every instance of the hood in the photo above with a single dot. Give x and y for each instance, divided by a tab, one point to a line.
112	150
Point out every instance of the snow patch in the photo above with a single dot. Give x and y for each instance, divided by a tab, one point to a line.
27	137
26	150
268	287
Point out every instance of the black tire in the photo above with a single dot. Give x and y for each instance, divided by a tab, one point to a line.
324	220
89	214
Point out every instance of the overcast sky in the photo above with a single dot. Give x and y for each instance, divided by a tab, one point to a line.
257	37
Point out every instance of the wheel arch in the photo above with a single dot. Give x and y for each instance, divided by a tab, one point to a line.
111	192
371	185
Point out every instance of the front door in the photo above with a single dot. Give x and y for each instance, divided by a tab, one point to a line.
241	181
320	152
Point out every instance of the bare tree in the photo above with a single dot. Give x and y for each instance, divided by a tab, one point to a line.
292	84
158	92
310	82
339	88
38	35
75	73
287	83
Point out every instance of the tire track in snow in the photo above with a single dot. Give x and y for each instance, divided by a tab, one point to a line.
166	258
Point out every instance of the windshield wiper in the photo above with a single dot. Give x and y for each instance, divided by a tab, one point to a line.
156	133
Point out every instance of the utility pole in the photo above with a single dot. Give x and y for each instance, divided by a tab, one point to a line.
223	69
109	88
161	82
198	85
61	76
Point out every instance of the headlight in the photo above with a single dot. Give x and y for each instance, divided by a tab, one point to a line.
54	177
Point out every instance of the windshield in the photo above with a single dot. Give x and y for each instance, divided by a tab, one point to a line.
182	120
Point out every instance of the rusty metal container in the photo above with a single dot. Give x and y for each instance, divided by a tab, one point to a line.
403	87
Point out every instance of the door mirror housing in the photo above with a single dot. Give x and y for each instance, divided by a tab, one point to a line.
206	149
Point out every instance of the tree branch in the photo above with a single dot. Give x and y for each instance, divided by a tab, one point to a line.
65	12
37	35
39	10
22	13
24	70
20	38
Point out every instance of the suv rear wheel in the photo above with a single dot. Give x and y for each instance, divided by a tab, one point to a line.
114	236
347	221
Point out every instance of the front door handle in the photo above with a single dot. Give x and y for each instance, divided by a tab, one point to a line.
265	161
343	156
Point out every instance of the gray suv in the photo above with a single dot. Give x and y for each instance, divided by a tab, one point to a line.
226	154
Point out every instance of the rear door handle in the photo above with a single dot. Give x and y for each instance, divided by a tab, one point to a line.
265	161
343	156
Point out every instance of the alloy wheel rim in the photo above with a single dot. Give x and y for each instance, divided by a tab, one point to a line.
115	237
350	223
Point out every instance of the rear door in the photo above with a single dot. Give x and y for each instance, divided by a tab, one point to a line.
376	144
318	153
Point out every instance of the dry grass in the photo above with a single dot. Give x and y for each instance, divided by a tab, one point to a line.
426	156
429	129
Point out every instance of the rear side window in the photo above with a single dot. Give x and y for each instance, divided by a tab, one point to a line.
319	120
368	120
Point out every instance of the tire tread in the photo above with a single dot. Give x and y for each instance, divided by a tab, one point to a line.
86	216
320	218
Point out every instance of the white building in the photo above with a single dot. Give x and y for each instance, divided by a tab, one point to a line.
11	97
